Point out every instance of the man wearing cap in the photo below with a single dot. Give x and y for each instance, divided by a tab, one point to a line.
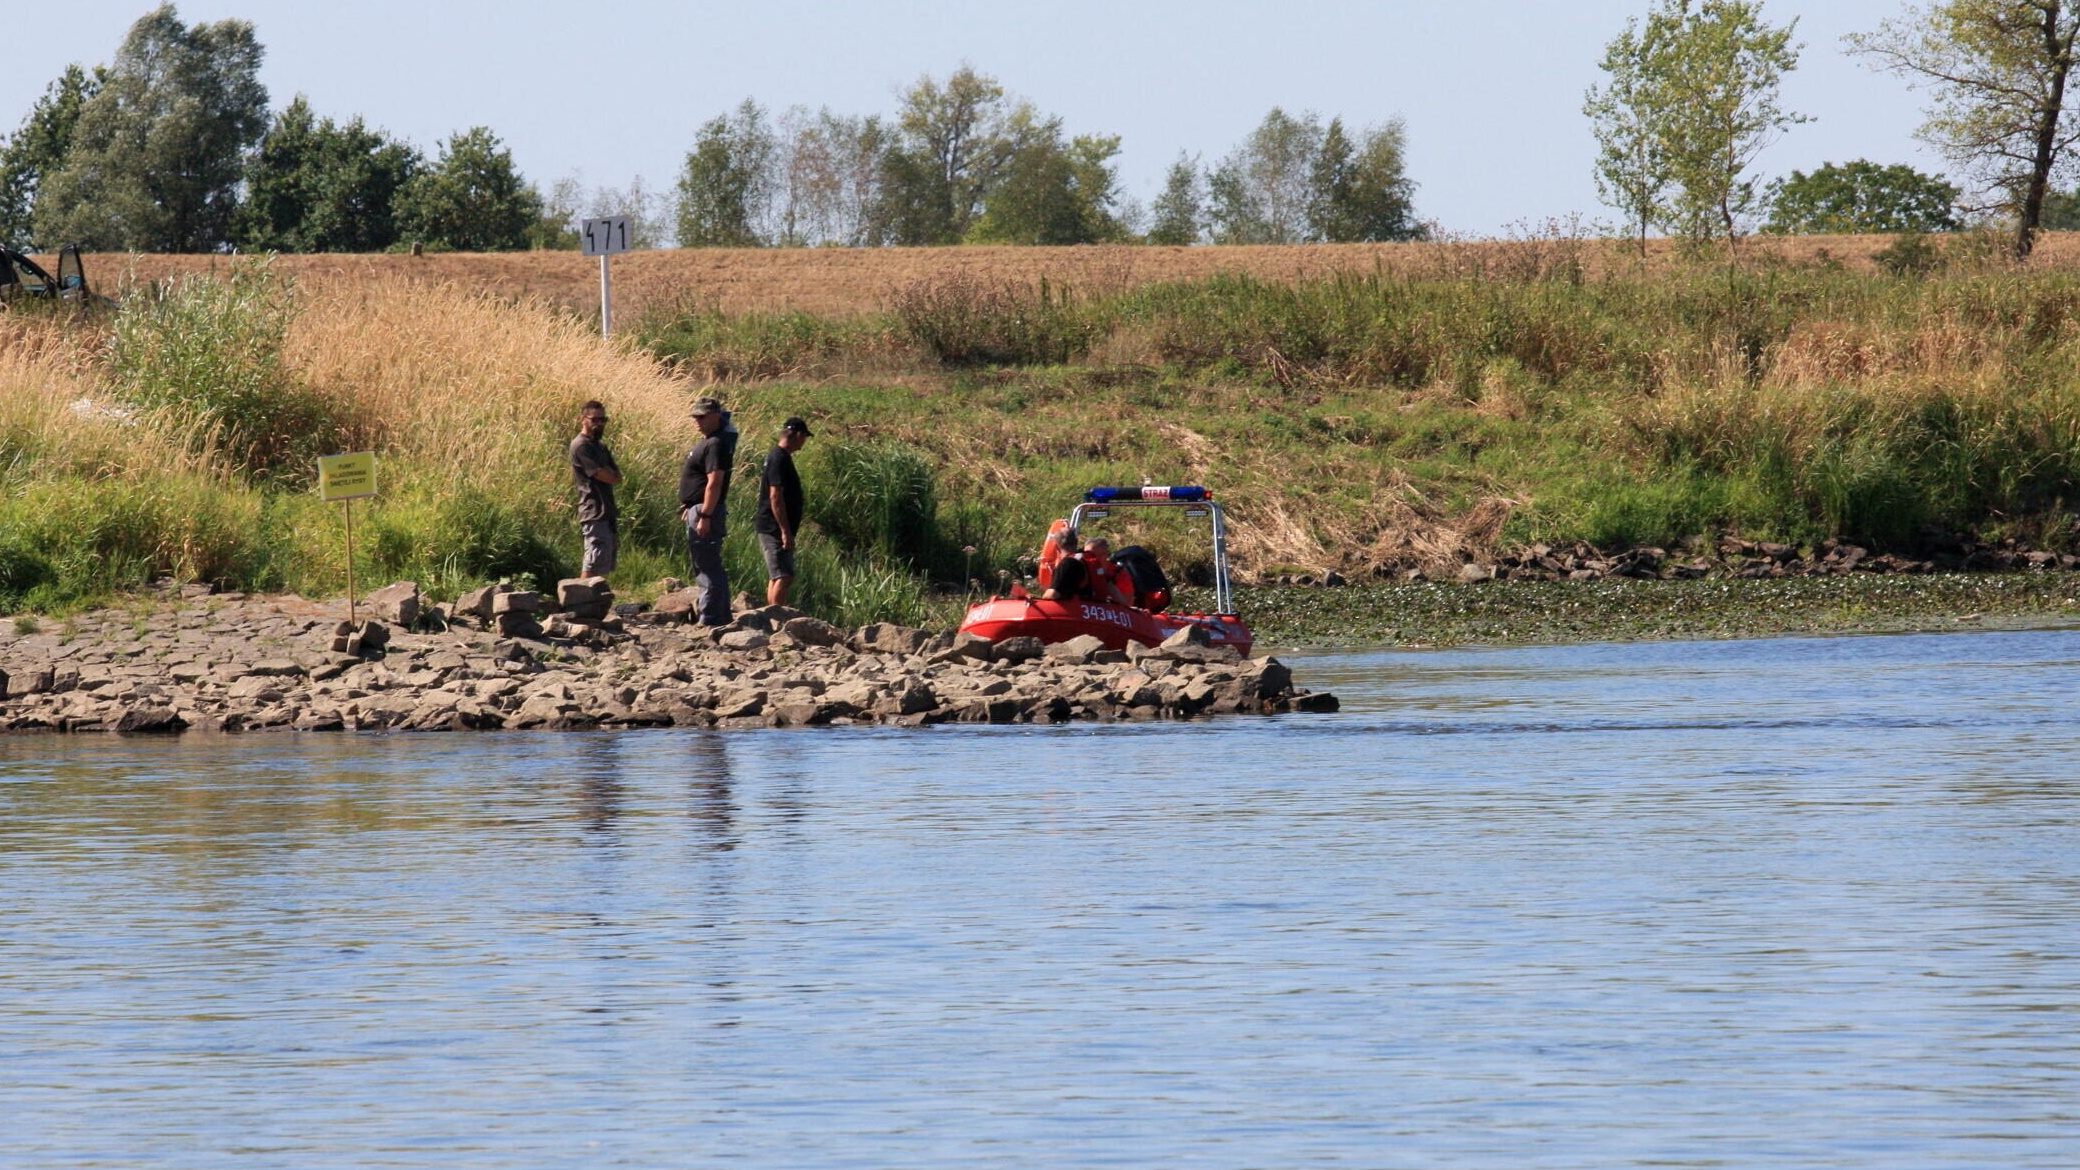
594	470
780	509
704	504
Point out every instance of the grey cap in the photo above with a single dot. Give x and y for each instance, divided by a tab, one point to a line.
706	405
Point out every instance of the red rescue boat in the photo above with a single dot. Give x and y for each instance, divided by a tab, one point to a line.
1143	616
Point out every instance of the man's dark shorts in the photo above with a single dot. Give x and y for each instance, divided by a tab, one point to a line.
779	561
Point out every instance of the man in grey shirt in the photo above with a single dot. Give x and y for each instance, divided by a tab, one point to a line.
594	471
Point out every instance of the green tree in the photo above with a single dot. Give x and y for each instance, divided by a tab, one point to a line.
158	151
39	148
1054	192
1858	197
1261	192
726	186
1361	193
2061	212
1692	99
1996	72
317	186
1180	211
1632	171
953	144
471	199
830	178
1721	78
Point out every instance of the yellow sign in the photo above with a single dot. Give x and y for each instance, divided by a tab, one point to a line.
346	477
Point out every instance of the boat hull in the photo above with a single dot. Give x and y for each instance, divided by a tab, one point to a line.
1114	625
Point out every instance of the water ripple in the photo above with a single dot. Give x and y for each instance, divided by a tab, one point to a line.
1803	902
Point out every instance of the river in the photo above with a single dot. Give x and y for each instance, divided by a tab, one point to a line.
1798	902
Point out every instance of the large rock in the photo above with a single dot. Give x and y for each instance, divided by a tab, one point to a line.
398	604
1188	637
148	720
1265	679
257	689
1081	648
742	640
740	704
1133	688
768	617
680	605
1020	649
516	601
809	631
1191	644
807	711
967	648
588	599
887	638
476	604
360	639
517	624
915	697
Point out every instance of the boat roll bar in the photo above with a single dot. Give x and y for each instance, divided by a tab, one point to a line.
1101	500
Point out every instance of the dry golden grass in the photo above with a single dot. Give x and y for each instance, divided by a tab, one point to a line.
460	381
840	281
58	418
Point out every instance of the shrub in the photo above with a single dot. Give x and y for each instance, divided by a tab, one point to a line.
969	321
874	501
1909	254
208	352
718	348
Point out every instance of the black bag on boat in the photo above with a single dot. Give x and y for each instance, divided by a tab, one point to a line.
1140	566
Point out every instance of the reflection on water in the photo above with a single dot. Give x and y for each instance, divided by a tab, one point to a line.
1801	902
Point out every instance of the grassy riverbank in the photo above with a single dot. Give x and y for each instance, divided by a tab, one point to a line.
1366	422
1369	422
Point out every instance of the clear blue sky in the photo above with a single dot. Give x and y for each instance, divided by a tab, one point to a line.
1491	92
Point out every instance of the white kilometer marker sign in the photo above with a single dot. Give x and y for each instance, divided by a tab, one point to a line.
603	238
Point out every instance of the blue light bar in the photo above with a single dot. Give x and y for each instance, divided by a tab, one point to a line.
1113	495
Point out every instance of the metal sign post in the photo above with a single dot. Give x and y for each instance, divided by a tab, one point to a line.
346	478
605	237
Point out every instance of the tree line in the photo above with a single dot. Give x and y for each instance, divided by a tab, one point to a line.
171	148
1691	96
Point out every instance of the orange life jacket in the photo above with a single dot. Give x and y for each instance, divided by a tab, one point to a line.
1106	581
1050	552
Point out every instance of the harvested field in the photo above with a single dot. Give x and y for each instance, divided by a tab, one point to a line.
839	281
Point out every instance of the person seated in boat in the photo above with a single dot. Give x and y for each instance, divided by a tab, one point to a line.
1069	579
1107	584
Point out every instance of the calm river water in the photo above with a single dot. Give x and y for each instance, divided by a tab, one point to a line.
1791	902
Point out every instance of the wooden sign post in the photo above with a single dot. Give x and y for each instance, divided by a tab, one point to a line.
346	478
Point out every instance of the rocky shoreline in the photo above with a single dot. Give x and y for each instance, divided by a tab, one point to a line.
503	658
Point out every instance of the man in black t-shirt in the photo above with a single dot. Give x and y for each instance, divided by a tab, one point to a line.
1071	578
780	509
704	504
595	473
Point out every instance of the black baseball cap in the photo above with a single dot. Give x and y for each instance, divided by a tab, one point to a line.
798	426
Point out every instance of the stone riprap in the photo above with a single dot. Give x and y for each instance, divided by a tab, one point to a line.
503	658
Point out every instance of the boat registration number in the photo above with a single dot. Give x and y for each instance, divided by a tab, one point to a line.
1100	613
